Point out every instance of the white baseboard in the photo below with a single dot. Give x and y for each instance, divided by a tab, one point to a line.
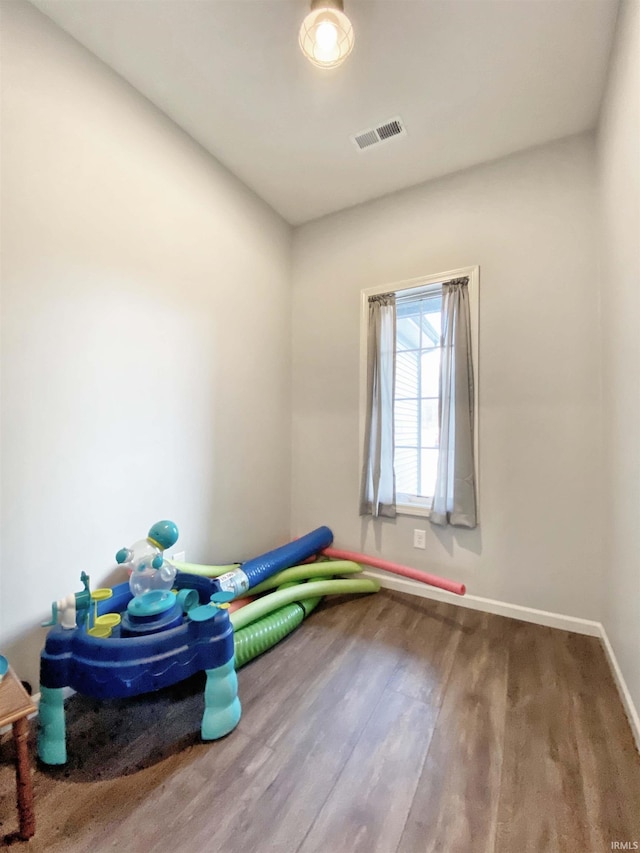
623	689
524	614
490	605
66	693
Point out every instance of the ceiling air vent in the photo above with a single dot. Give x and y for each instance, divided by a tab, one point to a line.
381	133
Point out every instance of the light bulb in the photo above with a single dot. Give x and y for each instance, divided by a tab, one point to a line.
326	36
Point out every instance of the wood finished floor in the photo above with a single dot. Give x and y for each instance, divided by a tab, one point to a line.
386	724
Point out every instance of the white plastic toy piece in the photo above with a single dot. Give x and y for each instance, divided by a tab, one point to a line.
66	608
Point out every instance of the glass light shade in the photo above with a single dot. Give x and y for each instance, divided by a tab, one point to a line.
326	36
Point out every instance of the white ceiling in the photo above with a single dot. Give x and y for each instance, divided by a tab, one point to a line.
473	80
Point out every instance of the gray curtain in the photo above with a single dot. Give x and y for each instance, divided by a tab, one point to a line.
377	485
454	501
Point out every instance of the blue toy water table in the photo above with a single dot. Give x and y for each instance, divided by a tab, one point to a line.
156	644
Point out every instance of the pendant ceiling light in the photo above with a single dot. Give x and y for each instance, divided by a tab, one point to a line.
326	34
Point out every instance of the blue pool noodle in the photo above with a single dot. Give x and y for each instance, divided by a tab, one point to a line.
291	554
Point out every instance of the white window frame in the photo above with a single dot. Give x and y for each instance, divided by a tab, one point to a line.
426	281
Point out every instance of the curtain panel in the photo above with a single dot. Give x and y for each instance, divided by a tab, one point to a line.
377	485
454	501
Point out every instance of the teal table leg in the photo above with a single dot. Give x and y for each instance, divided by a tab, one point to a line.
221	704
52	747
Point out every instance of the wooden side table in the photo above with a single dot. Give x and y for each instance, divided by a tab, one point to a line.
15	707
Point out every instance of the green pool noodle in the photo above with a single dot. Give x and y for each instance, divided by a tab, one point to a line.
305	572
205	571
262	635
314	589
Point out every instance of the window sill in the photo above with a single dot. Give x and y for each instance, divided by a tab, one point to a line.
413	509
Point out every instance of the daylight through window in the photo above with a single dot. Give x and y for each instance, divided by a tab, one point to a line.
417	388
419	398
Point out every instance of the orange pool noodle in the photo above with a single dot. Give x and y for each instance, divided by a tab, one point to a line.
240	602
397	569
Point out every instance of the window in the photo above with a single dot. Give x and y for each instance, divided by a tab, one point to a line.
416	402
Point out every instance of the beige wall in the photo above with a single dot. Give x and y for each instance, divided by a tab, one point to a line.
146	362
619	172
145	335
529	222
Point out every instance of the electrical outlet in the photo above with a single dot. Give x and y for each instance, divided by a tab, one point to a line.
419	538
179	557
